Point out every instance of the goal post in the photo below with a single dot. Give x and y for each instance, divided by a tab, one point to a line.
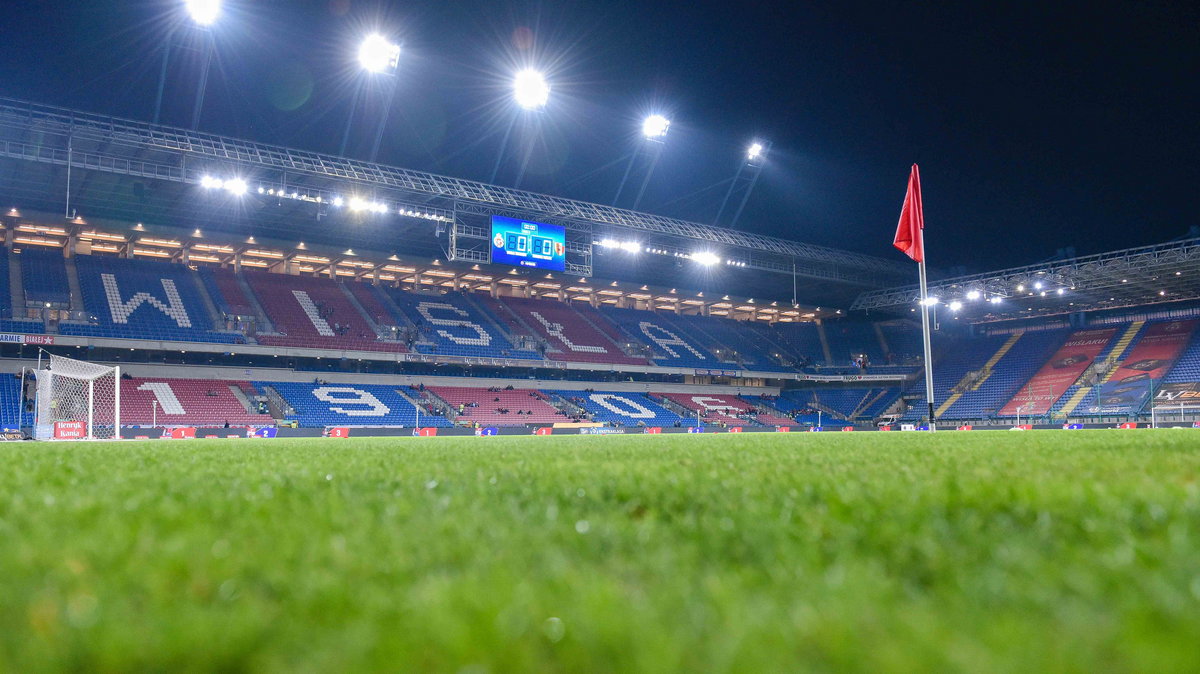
77	400
1166	413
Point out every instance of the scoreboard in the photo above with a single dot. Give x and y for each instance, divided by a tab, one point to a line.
528	244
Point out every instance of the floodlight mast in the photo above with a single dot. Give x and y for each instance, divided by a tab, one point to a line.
654	131
531	93
756	154
203	13
376	56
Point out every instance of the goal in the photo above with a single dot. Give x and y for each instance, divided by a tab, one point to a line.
1176	414
77	400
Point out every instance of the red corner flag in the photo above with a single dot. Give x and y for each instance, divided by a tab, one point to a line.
912	220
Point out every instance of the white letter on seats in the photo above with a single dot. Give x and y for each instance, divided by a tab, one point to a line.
168	403
120	311
556	330
310	309
606	401
329	394
714	404
671	339
483	339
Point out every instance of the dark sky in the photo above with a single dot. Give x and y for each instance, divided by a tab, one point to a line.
1036	125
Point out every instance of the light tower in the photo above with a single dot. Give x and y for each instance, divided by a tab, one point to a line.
379	58
531	93
744	179
203	14
654	133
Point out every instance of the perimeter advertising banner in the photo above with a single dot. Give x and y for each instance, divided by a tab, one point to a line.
1180	393
1039	394
1143	368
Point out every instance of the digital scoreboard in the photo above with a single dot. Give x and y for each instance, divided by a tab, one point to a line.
528	244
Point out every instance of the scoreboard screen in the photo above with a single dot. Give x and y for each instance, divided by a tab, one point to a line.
528	244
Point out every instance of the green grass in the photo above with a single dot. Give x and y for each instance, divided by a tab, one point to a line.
980	552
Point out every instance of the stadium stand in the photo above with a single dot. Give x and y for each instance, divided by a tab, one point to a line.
1006	371
185	402
450	324
849	338
753	345
957	360
226	293
567	331
12	408
713	407
142	299
621	407
317	405
804	340
669	344
499	407
1187	367
43	276
366	296
313	313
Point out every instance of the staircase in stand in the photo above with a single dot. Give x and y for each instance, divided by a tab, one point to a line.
1114	357
987	368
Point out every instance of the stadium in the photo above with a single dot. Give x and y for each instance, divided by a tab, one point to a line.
311	360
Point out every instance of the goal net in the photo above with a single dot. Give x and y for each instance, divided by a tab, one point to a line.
77	400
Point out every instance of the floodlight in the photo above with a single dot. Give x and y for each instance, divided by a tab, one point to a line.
210	183
236	186
1020	287
530	89
337	201
705	258
955	305
376	54
930	301
631	247
1038	285
754	151
655	126
357	204
1060	291
203	12
973	295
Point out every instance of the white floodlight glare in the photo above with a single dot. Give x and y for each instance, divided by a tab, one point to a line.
631	247
973	295
235	186
655	126
955	305
1060	291
754	151
930	301
530	89
1038	285
376	54
380	208
1020	287
705	258
357	204
211	183
203	12
996	300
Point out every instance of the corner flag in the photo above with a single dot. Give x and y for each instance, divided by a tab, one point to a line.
912	220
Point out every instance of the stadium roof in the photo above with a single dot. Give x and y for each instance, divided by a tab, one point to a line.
1158	274
137	171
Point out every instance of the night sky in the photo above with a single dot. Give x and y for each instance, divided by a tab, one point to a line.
1037	126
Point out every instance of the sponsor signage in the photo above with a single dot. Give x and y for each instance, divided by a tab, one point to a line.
1129	386
8	338
847	429
652	430
783	429
695	429
486	431
1072	427
70	430
965	427
601	431
1127	425
182	433
1059	373
735	429
337	432
264	432
545	430
424	432
1182	393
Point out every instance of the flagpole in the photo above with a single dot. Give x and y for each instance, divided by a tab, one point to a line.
925	332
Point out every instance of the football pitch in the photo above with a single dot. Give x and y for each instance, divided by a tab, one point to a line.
981	552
